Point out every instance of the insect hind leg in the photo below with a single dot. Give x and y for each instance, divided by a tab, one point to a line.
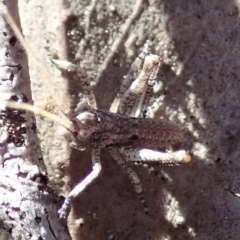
117	156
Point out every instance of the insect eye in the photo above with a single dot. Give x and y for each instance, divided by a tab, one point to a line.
84	134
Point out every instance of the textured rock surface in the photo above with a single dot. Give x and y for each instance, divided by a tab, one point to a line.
199	42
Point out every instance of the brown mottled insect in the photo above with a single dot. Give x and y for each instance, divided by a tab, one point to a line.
127	136
126	130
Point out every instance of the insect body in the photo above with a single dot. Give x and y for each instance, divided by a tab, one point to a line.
98	129
127	138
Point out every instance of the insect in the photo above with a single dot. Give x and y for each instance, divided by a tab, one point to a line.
127	137
126	131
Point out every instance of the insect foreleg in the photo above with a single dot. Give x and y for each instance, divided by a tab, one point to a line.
65	209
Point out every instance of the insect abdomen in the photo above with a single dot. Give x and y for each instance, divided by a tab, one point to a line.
156	133
137	132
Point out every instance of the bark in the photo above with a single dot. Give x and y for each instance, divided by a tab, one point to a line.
28	208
